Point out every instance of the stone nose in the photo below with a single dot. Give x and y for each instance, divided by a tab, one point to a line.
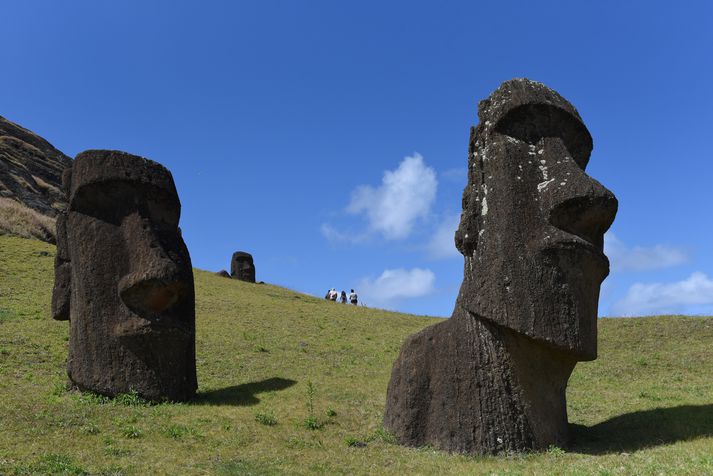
154	282
585	208
149	293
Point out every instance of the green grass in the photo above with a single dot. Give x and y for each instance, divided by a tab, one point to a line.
317	373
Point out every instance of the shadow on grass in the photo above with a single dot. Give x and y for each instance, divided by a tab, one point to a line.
643	429
242	395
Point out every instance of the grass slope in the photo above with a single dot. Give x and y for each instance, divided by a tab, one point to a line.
266	353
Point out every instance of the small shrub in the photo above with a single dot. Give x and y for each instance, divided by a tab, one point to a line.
380	434
555	451
59	389
330	413
131	399
89	398
176	431
354	442
56	464
267	419
650	396
311	423
90	429
130	431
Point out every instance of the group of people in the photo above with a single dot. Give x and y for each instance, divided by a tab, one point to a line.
334	295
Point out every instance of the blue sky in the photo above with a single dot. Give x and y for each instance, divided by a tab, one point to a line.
329	139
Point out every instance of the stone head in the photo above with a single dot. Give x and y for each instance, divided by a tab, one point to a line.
242	266
124	279
533	221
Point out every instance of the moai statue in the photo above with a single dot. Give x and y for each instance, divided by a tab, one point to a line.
123	279
242	267
492	378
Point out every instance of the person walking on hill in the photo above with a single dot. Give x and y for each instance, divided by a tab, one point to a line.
343	297
353	297
333	295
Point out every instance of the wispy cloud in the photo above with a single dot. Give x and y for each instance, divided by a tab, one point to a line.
404	196
396	284
690	295
442	244
335	236
639	258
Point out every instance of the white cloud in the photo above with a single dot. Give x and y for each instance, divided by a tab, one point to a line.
695	292
639	258
396	284
442	245
334	235
404	196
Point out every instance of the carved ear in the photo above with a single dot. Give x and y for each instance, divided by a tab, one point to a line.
466	236
62	269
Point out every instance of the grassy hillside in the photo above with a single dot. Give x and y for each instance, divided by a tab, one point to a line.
266	353
20	220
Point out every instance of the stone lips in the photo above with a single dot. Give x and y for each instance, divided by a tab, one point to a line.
493	377
242	267
126	273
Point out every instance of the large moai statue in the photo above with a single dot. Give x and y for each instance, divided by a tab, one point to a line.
492	378
242	267
123	279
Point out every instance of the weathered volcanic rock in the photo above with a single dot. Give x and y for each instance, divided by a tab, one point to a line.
492	378
242	267
223	273
31	169
123	279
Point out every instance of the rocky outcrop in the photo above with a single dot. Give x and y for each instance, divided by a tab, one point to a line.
492	378
123	279
30	182
31	169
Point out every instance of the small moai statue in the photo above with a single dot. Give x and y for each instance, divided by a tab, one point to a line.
242	267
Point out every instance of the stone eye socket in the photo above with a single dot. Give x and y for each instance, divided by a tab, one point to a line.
530	123
112	201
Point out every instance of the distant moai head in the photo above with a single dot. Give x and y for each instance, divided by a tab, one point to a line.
242	267
124	279
533	221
